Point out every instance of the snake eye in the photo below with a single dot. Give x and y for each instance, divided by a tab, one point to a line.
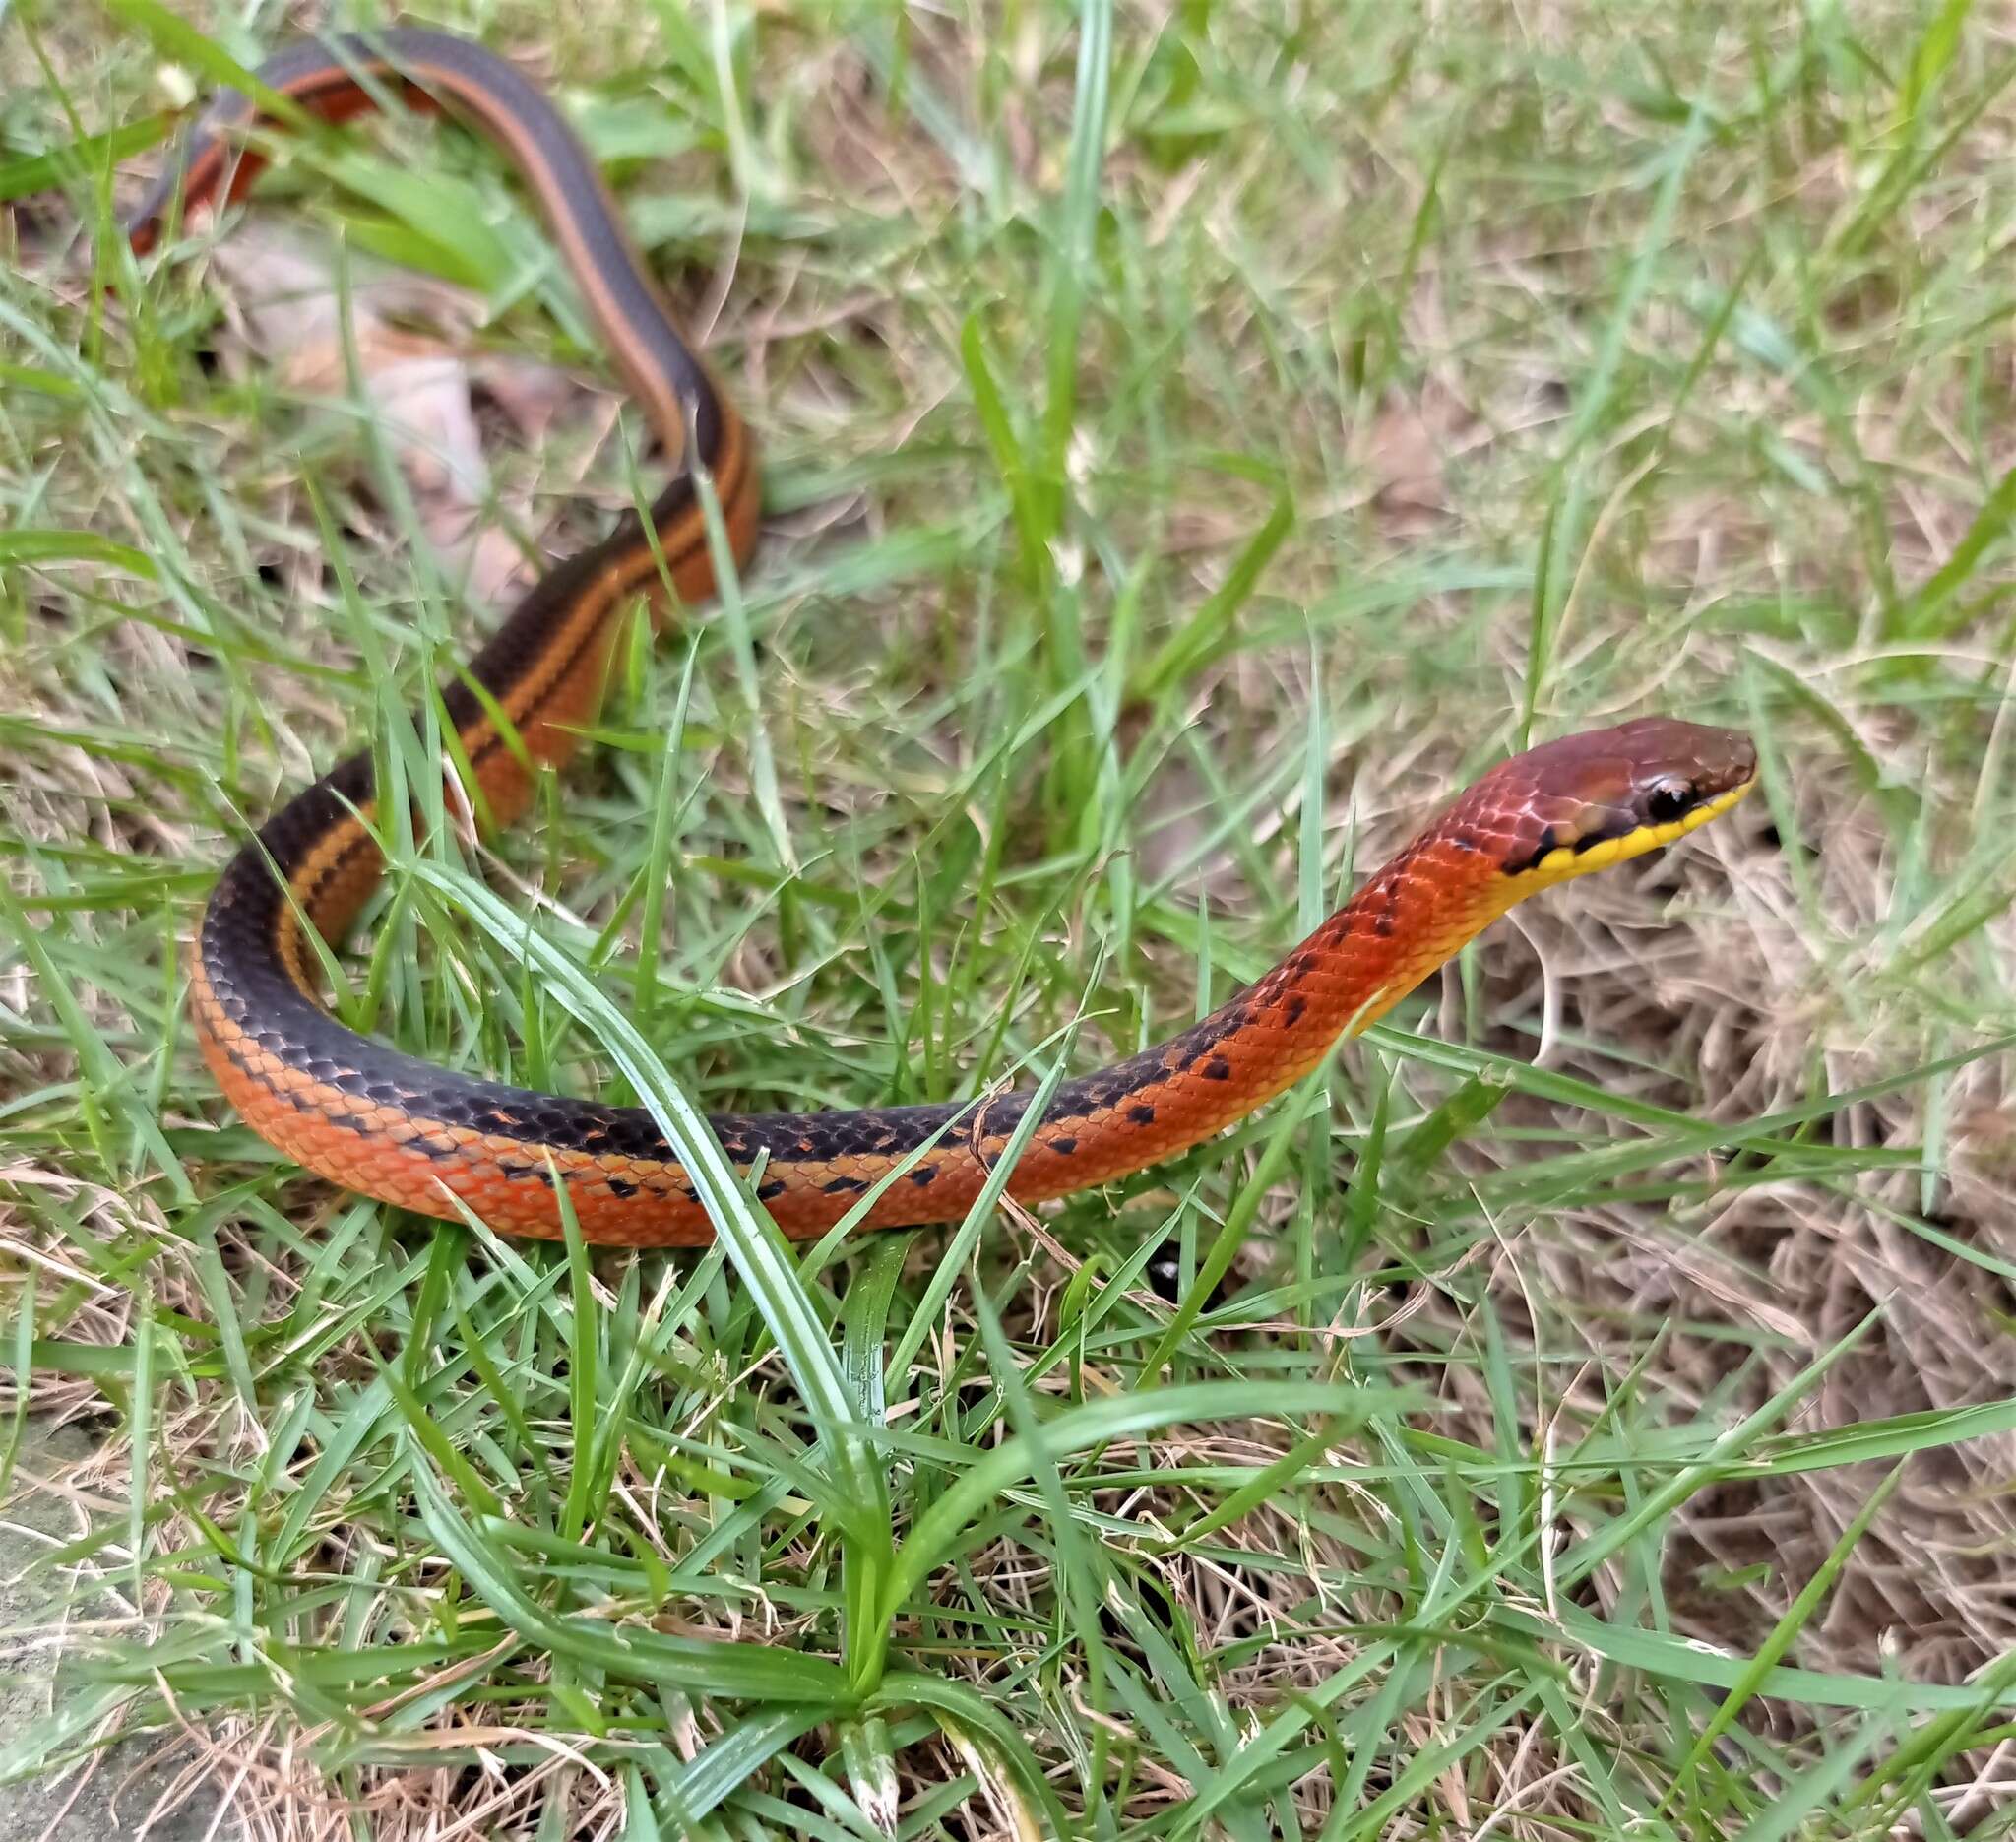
1667	801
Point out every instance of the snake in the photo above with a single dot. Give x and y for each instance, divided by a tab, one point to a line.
449	1145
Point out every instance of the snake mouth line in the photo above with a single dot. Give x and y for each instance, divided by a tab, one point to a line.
1599	851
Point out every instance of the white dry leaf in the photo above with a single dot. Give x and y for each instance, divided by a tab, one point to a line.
419	384
1404	451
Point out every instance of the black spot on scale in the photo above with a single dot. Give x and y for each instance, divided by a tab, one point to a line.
1218	1069
767	1191
1064	1147
1101	1089
1291	1011
1464	839
1543	847
845	1186
622	1187
924	1175
1603	835
1382	925
1215	1029
1142	1115
369	1128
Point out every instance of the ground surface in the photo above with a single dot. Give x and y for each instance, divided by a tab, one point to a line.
1199	435
128	1784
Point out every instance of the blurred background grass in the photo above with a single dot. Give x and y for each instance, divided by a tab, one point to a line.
1199	436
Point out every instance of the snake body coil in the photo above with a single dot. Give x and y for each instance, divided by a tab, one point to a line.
405	1131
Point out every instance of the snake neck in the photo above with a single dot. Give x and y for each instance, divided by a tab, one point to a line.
1405	920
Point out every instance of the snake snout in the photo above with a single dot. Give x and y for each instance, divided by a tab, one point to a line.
1677	771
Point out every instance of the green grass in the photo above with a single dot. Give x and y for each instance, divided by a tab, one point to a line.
1194	443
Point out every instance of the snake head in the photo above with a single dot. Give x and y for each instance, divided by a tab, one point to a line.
1577	804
